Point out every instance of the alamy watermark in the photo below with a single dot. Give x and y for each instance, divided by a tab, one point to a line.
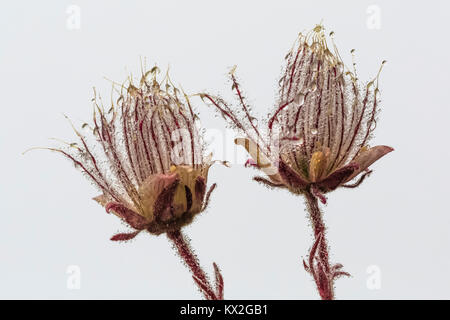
373	281
373	21
73	20
74	277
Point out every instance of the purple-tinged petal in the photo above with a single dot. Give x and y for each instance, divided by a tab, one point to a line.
250	163
134	219
101	199
260	160
290	177
151	188
199	194
200	188
338	177
124	236
366	158
163	208
188	193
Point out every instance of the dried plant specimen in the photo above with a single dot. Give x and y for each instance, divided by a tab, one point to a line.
316	139
148	160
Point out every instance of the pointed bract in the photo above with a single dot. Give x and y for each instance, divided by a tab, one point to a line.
366	158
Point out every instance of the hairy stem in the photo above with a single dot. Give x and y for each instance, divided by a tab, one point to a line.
321	270
186	253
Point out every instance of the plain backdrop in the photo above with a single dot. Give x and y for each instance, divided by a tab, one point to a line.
396	224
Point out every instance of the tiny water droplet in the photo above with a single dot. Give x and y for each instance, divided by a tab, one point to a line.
314	131
299	98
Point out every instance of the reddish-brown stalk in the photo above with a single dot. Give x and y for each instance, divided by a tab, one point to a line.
186	253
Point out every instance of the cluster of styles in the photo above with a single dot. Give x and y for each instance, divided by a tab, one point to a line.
150	164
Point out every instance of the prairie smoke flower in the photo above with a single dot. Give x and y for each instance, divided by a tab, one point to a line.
149	163
316	139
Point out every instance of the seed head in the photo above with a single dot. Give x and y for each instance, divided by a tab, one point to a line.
148	157
318	135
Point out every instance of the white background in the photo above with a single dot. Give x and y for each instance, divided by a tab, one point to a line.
398	220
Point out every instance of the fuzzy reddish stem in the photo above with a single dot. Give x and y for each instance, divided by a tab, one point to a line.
325	288
188	256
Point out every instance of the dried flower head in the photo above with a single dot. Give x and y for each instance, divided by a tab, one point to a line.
148	160
318	136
